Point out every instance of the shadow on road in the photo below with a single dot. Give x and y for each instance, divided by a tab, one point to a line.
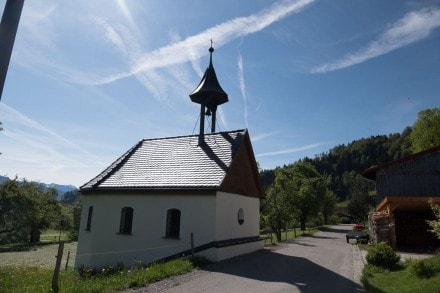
302	243
322	237
271	266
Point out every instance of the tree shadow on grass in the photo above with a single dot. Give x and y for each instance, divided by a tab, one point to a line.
270	266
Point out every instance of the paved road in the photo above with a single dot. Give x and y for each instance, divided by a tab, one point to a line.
323	262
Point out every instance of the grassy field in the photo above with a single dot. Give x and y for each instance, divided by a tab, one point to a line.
412	276
29	268
289	236
31	279
53	236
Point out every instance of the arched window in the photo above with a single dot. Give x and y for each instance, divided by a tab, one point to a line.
173	223
89	218
126	220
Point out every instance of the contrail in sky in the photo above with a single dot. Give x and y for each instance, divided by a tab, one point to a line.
194	47
413	27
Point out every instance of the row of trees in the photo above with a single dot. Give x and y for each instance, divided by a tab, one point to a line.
28	208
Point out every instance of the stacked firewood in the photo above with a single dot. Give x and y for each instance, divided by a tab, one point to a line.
379	225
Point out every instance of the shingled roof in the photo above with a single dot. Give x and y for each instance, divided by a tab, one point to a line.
180	163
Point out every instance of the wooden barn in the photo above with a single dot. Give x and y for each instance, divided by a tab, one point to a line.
404	188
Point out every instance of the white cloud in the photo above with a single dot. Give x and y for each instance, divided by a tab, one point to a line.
222	117
292	150
194	47
411	28
127	14
242	87
263	136
39	49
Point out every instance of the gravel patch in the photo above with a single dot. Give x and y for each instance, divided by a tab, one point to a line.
39	256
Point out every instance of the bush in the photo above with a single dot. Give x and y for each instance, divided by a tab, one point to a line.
382	255
333	220
344	220
421	269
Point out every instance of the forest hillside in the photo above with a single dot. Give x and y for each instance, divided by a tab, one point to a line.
343	163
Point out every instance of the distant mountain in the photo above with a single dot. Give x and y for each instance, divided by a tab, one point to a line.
61	189
3	179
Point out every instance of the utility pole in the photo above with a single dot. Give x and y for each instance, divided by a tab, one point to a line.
8	30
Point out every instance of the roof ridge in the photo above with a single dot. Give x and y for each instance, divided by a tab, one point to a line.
193	135
408	158
113	167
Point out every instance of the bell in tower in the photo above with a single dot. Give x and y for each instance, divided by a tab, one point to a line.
209	94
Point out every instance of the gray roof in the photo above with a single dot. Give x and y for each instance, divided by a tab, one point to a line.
172	163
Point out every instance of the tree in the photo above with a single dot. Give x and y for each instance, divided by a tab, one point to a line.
359	203
426	130
44	209
70	197
276	210
76	210
328	205
26	209
304	189
13	216
435	224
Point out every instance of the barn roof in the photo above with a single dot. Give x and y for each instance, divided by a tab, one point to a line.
370	173
179	164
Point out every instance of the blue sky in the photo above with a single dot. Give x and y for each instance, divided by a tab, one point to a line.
88	79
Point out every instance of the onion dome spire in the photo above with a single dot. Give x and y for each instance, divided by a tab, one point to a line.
209	94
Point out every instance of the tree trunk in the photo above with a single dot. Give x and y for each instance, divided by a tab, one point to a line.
302	220
278	230
278	234
35	236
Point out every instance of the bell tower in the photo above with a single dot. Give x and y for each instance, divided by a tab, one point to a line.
209	94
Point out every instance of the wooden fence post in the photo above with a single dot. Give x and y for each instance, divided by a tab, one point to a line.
56	272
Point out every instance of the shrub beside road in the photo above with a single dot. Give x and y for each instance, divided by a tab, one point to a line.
384	272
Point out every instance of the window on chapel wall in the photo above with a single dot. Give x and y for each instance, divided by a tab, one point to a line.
126	220
173	223
89	218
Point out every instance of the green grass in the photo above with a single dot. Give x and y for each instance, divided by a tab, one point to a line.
39	279
289	237
52	235
404	279
342	203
